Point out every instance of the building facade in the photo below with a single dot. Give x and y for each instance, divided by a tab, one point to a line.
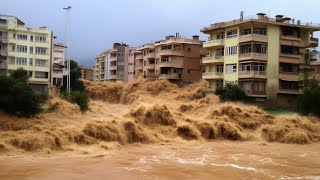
58	68
86	73
265	56
29	48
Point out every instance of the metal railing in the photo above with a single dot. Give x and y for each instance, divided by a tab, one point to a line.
212	74
253	54
212	58
252	73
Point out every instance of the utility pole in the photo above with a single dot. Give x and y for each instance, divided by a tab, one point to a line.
68	47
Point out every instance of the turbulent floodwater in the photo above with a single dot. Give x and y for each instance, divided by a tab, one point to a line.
216	160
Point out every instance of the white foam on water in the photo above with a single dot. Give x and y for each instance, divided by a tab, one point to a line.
235	166
301	177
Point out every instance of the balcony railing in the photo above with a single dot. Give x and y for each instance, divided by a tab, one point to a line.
253	37
289	91
150	55
3	38
212	43
212	59
113	58
169	76
150	66
253	55
171	52
139	57
252	74
212	75
314	42
112	76
113	67
3	26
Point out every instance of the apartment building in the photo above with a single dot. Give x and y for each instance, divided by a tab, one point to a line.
148	60
58	68
315	66
265	56
130	64
110	64
178	58
29	48
86	73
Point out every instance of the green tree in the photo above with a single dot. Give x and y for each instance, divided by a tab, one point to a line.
309	101
16	97
230	92
78	92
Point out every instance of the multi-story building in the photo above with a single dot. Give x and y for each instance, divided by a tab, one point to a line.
29	48
148	60
265	56
130	64
58	68
99	67
178	58
86	73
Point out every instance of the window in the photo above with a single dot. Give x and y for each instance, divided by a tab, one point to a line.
40	50
12	60
246	31
232	50
21	61
22	37
31	50
40	62
231	68
30	62
219	83
39	74
189	49
220	35
232	33
259	67
219	68
40	39
31	38
287	68
22	49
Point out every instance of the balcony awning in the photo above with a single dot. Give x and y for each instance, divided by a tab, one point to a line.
285	79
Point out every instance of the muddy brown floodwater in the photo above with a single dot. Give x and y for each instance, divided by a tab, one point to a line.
157	130
215	160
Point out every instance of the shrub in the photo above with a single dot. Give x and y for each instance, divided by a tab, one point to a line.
81	98
230	92
309	101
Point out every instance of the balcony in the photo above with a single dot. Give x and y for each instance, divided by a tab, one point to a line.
289	76
252	74
138	67
169	76
212	75
3	52
213	43
314	42
3	64
113	58
290	40
252	93
57	74
170	52
289	58
3	39
139	57
149	66
112	77
252	55
289	91
150	55
253	37
3	26
212	59
113	68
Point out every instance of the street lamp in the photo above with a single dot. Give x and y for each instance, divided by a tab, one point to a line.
68	47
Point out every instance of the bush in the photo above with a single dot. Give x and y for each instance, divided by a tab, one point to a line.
16	97
309	101
230	92
81	98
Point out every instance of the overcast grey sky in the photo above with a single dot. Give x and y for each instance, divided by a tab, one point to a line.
96	24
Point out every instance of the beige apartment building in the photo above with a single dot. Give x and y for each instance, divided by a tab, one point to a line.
265	56
28	48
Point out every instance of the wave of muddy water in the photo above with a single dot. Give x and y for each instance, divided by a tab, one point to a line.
215	160
157	130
